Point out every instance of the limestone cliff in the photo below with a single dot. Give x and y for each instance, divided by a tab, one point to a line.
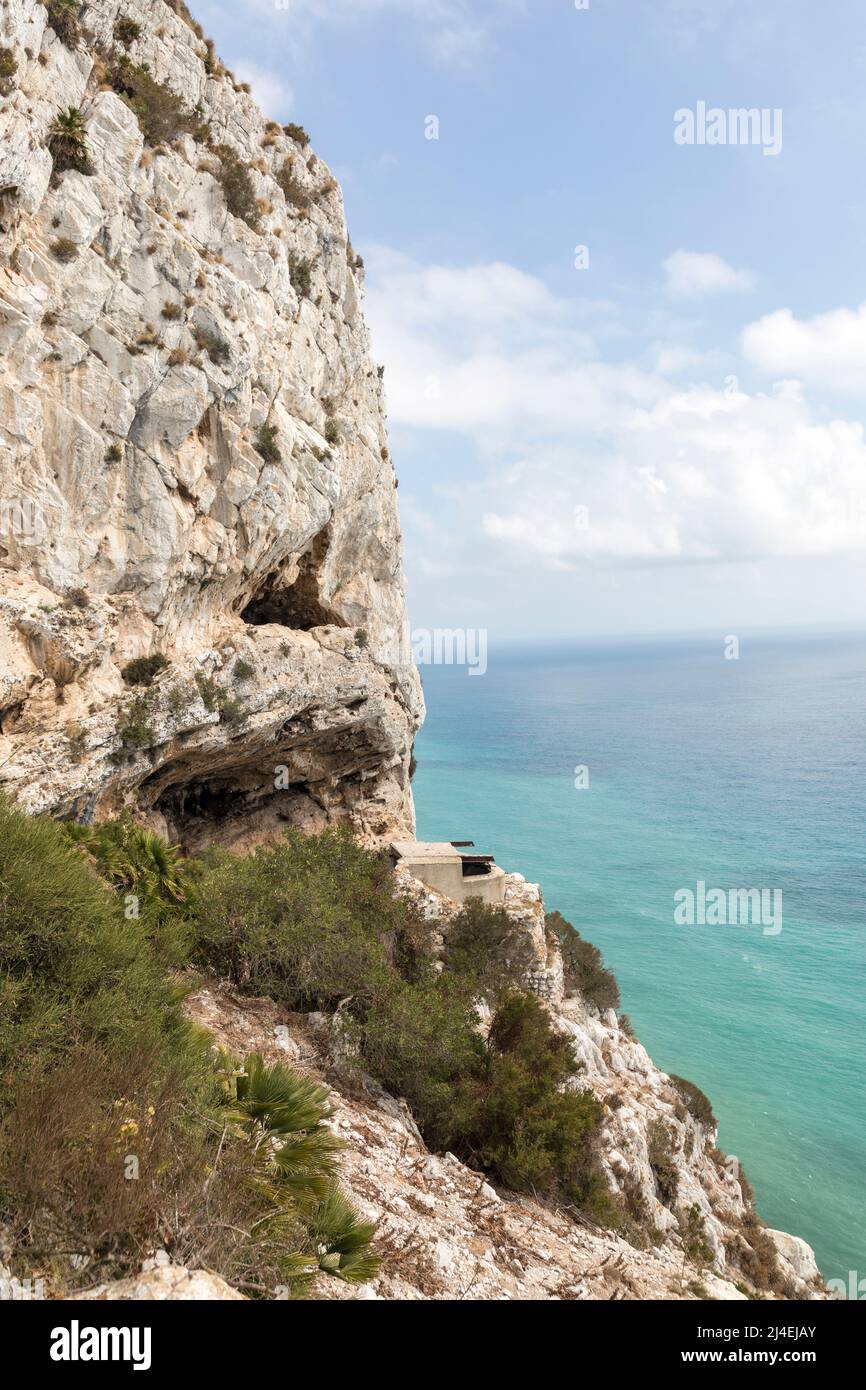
201	599
193	458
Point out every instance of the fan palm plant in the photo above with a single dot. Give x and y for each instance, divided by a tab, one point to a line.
342	1240
67	141
284	1115
130	856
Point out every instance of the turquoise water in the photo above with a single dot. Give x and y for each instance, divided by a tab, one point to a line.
747	773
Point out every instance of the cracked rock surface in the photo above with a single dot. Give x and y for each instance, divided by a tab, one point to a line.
193	462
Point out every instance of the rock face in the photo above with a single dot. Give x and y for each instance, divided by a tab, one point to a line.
193	460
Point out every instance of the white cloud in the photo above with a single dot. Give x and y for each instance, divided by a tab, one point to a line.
658	472
694	274
455	31
829	350
270	89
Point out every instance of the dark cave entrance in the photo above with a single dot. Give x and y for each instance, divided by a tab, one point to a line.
297	605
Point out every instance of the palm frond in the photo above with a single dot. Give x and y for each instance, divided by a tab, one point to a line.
343	1240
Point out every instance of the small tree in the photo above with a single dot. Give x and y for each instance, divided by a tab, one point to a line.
67	141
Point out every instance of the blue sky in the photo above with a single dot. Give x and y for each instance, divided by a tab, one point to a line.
670	438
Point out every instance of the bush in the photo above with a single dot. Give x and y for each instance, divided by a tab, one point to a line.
63	18
144	669
114	453
297	133
209	341
126	31
64	250
266	444
8	69
300	275
238	187
332	430
519	1124
171	310
488	948
294	192
162	115
309	922
661	1160
583	966
73	972
135	728
697	1104
243	670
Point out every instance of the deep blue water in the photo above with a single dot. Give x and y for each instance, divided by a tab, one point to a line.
747	773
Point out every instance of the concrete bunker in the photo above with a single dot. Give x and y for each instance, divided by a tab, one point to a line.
453	868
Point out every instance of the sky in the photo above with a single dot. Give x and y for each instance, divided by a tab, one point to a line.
623	330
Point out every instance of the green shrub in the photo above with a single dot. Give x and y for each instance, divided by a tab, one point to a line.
63	18
583	967
135	727
309	922
162	115
694	1236
332	430
67	141
697	1104
520	1125
294	192
297	133
114	453
300	275
144	669
362	638
243	670
72	970
209	341
126	31
486	946
118	1133
237	186
8	69
661	1160
266	444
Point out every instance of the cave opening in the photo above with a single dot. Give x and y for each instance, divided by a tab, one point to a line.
299	604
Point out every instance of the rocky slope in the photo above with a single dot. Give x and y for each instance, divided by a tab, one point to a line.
445	1233
193	459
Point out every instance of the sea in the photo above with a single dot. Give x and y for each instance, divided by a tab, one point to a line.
621	774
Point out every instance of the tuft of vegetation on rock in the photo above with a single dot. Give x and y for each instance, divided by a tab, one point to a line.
8	69
697	1104
63	16
126	31
237	185
296	195
135	728
209	341
266	444
144	669
297	133
162	115
583	966
67	142
301	275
